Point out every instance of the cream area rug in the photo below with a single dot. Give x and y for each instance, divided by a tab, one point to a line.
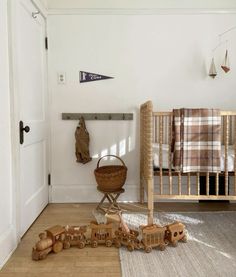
210	250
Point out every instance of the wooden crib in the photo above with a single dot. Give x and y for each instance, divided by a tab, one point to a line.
156	127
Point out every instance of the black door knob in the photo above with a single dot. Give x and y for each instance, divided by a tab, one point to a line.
26	129
22	130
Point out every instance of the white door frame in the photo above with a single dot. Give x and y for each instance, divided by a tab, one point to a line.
15	118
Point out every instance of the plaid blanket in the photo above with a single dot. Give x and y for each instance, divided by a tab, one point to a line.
196	140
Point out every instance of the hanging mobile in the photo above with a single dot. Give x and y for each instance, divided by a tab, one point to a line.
225	66
212	71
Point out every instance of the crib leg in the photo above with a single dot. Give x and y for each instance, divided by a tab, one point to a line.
150	201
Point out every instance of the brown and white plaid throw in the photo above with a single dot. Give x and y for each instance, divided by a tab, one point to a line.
196	140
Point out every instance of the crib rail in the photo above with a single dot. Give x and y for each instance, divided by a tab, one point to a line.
156	127
188	187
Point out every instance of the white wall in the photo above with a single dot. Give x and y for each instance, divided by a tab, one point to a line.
7	233
44	3
164	58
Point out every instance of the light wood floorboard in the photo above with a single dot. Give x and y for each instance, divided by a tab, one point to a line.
101	261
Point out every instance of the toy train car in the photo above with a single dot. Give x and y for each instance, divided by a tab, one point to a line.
57	237
152	236
128	239
158	236
176	232
75	235
101	233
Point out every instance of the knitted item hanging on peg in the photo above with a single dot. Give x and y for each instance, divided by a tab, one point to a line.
82	143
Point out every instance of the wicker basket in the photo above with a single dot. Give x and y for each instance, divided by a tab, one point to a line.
110	177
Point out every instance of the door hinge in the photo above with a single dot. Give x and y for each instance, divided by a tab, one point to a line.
49	179
46	43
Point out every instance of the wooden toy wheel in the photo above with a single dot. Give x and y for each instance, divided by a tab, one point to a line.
42	236
148	249
108	243
162	247
66	244
175	243
94	243
42	257
117	244
138	245
185	238
57	247
130	247
81	244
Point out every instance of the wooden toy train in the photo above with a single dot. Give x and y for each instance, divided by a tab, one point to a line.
57	237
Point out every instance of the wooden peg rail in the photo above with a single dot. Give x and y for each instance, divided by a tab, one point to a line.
97	116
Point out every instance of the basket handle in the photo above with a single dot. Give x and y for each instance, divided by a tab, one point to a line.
110	156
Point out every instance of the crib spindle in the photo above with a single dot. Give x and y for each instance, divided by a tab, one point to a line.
160	152
198	183
217	184
179	183
207	183
226	141
169	153
155	129
189	184
141	156
230	130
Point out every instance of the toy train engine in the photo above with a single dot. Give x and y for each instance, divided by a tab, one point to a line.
101	233
176	232
75	235
129	239
51	240
153	236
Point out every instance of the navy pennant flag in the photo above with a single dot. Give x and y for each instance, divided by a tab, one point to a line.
89	77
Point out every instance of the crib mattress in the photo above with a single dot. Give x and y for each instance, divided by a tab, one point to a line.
165	154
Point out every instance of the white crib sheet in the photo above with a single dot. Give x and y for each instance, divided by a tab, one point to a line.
165	153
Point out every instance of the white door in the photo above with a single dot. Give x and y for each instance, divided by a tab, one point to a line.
31	73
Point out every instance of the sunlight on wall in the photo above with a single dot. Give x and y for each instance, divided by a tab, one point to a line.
113	150
130	148
104	152
122	147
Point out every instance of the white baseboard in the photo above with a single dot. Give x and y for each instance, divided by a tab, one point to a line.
88	194
8	244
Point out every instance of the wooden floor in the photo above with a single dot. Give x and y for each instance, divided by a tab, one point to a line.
101	261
